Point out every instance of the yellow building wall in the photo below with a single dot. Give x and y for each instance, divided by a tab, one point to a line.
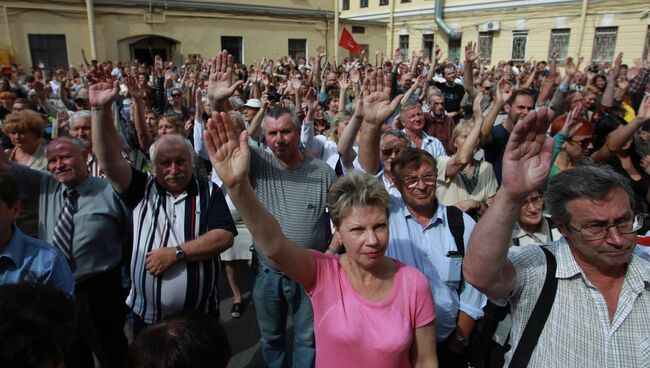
537	20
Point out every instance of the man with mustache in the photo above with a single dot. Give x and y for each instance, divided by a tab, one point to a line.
88	223
181	222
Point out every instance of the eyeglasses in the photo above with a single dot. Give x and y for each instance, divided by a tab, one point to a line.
388	151
627	225
583	143
428	179
176	95
535	201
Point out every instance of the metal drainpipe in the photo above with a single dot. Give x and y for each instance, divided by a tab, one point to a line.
583	20
391	29
90	9
442	25
336	30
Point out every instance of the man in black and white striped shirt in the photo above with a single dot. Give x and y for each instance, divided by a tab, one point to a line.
181	223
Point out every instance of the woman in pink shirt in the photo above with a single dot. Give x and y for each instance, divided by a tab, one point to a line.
369	310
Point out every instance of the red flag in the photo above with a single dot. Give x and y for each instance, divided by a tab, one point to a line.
348	42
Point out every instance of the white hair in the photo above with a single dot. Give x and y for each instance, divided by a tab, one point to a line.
173	138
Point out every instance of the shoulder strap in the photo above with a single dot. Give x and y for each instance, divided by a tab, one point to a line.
457	227
538	318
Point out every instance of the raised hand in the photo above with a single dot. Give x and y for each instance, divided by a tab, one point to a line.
133	87
320	52
527	157
398	58
504	91
344	81
354	76
571	68
644	109
616	68
437	54
296	82
470	53
198	103
229	155
571	124
62	118
377	106
103	89
220	85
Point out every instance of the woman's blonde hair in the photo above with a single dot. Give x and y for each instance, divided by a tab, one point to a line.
355	190
456	132
24	121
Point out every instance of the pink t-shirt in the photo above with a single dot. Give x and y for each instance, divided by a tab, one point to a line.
351	331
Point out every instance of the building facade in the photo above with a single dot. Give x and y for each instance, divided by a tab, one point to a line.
518	30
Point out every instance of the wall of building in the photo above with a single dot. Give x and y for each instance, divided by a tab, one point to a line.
469	17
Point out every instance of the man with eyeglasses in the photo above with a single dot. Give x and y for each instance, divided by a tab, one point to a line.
600	311
421	235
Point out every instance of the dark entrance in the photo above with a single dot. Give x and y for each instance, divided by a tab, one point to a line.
147	55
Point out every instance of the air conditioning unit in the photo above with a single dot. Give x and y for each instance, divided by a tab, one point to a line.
490	26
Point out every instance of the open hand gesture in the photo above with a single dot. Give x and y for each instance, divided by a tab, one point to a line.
103	90
133	87
470	53
571	124
220	85
527	158
377	106
229	155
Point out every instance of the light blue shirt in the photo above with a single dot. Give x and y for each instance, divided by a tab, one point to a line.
27	259
426	248
431	145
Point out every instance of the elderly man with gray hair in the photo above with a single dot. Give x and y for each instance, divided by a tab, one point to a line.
181	223
583	301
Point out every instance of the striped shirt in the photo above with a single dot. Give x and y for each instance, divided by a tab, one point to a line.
295	197
160	220
578	332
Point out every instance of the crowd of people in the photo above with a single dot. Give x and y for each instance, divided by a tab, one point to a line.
411	212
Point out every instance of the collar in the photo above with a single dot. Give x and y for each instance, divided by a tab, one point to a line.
14	249
439	216
84	188
542	233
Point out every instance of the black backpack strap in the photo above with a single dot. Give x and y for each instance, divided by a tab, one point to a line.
457	227
538	318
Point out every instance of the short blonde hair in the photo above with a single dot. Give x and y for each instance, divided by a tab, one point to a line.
24	121
336	120
465	124
355	190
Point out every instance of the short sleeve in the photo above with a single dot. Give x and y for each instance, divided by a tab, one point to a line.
135	192
323	269
425	311
219	216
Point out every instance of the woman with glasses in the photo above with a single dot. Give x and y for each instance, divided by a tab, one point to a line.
25	130
358	296
572	136
177	105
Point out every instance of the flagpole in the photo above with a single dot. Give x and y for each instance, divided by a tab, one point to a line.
336	30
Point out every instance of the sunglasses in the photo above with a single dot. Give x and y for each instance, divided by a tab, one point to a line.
176	95
583	143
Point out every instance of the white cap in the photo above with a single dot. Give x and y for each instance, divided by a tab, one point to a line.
254	103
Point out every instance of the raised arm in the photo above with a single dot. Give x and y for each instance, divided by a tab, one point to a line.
608	95
145	139
377	107
502	95
466	151
468	73
526	163
230	157
106	141
349	135
620	136
547	89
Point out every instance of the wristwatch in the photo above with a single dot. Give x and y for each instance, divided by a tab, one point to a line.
180	254
461	340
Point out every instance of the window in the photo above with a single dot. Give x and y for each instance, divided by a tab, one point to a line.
647	44
405	1
404	45
485	46
559	41
358	29
50	49
454	50
383	2
519	39
345	5
298	48
363	3
427	45
604	44
233	45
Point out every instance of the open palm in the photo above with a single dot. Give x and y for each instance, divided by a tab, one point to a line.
377	106
229	154
220	85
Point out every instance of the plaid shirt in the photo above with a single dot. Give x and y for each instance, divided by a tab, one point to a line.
578	332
